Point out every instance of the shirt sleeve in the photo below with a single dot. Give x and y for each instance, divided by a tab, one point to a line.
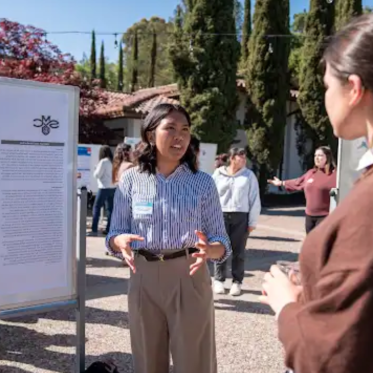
254	202
294	185
121	217
99	170
334	332
213	221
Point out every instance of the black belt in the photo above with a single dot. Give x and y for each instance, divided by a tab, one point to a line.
153	257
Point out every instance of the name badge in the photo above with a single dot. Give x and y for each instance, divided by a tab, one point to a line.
143	208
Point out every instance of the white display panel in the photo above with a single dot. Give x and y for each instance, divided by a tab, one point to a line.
38	153
349	155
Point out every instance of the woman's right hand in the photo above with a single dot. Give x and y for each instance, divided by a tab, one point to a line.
122	244
275	181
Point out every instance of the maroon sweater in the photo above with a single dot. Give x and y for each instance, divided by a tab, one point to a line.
316	185
330	330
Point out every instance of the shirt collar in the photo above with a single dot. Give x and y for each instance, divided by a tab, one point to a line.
366	160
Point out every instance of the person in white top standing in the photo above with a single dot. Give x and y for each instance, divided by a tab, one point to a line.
106	189
240	200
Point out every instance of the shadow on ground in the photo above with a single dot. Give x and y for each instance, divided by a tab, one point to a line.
104	263
239	305
22	345
279	212
259	260
274	239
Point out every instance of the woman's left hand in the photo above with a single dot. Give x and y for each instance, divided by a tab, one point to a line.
204	251
278	290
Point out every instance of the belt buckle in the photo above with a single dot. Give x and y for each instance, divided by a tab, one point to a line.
161	257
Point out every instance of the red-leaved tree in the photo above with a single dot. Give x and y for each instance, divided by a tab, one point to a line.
25	53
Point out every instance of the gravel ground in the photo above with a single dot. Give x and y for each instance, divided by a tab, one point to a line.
245	329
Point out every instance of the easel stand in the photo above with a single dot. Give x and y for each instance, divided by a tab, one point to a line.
79	301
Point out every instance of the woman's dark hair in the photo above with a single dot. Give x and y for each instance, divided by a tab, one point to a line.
195	144
105	152
147	152
330	164
122	154
350	52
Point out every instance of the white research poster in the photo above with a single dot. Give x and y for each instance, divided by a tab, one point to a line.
350	153
37	177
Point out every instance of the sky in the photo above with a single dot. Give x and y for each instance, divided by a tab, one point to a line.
113	16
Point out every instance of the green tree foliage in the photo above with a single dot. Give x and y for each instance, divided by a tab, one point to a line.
153	61
205	53
102	67
267	84
134	61
246	32
296	45
93	56
345	10
319	26
84	69
163	73
120	82
299	22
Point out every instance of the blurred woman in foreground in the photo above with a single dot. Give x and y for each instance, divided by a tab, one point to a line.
326	326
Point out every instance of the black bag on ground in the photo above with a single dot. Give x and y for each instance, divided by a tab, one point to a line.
102	367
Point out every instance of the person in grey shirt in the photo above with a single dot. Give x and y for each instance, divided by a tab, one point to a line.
240	201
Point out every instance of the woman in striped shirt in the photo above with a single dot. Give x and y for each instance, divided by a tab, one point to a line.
167	222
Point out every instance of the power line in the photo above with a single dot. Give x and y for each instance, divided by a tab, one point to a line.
115	34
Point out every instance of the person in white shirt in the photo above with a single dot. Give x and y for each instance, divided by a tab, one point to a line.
240	200
106	189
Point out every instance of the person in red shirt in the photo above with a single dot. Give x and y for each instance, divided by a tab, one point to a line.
316	184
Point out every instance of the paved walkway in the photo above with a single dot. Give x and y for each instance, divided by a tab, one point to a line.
245	329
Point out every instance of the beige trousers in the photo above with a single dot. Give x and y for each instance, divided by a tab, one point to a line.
171	312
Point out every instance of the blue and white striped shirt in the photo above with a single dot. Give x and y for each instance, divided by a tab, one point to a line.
167	211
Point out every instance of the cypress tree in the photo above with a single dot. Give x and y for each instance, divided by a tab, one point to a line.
268	86
102	67
120	68
153	60
205	53
347	9
93	56
246	31
319	25
135	58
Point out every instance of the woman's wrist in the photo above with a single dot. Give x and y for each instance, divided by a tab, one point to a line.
217	250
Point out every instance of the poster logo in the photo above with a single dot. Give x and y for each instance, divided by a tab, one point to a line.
46	124
363	145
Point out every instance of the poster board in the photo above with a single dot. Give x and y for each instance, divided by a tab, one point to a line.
206	157
349	155
38	186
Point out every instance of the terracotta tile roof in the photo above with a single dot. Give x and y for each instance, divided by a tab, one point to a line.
140	101
148	105
143	100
